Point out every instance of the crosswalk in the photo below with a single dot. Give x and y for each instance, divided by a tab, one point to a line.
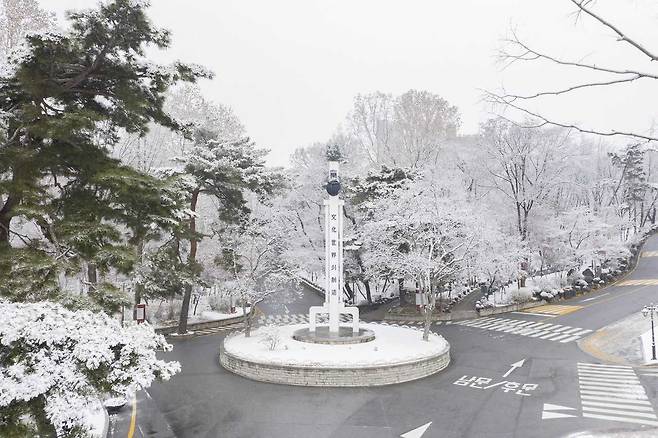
302	318
642	282
294	318
549	332
221	329
649	253
551	310
614	392
407	323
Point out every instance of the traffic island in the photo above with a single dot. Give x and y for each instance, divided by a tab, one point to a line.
621	342
393	355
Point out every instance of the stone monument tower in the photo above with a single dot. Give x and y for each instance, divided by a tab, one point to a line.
333	244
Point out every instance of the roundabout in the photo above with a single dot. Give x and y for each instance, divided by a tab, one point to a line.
394	355
334	355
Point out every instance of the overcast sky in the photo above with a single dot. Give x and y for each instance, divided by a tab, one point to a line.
290	68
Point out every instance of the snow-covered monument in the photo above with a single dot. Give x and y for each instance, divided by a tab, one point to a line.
334	305
331	354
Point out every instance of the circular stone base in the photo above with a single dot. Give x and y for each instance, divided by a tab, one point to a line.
322	335
396	355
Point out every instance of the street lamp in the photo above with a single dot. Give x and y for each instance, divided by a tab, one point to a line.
650	310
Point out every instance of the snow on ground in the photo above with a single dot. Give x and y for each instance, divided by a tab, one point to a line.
205	316
512	294
209	315
391	345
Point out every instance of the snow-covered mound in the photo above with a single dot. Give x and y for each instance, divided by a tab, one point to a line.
392	345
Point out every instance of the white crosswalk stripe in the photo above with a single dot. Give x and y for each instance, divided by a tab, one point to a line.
614	392
549	332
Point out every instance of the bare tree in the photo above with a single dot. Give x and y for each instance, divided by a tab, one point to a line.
516	50
372	125
190	108
523	164
406	131
423	121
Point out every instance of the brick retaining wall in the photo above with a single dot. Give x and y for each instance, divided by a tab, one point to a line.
339	377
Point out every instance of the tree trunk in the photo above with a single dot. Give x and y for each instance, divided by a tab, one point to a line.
92	276
350	292
368	295
5	219
429	310
185	307
518	220
184	310
247	318
138	286
4	229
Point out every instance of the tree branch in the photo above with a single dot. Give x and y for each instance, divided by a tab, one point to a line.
544	121
582	5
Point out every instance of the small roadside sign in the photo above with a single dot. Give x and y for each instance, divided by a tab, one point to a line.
140	313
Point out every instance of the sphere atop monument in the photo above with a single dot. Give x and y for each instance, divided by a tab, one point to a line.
333	183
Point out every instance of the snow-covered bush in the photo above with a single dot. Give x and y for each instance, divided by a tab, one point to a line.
547	295
271	337
518	297
549	282
166	310
218	303
54	363
581	283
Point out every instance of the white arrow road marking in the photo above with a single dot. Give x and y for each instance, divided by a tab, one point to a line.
515	365
551	407
548	415
417	432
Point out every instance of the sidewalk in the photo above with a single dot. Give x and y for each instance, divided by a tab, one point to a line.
468	303
619	342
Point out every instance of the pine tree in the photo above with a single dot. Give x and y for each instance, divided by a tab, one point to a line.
632	183
223	170
63	105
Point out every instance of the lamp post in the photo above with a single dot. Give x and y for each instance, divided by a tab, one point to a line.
649	311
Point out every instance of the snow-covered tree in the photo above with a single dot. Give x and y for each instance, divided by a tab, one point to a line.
364	196
524	164
254	258
496	256
422	234
56	363
63	104
223	170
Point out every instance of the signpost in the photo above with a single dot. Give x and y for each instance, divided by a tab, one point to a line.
140	313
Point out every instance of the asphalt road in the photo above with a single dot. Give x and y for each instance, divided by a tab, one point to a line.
204	400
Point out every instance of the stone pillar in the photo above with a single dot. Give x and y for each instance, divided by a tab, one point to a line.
333	255
333	214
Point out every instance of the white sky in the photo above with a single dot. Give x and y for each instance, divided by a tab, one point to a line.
290	68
